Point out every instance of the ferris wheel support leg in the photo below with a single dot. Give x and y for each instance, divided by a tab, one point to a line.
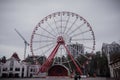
48	62
78	69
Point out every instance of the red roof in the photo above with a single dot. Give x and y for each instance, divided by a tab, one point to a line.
15	55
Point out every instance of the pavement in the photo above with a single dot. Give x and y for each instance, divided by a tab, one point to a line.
57	78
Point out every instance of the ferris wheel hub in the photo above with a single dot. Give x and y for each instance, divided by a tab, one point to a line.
60	40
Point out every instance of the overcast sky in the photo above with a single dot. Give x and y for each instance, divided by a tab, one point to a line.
103	16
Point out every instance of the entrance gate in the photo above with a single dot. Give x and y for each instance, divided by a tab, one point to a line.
57	70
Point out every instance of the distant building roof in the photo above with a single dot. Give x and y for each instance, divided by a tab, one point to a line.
15	55
113	49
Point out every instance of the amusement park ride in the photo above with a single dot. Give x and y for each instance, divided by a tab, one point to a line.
53	34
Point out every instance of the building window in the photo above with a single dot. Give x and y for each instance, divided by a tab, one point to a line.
17	69
11	69
16	75
31	70
4	75
31	75
22	69
4	69
34	70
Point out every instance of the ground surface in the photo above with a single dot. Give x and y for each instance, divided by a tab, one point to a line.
57	78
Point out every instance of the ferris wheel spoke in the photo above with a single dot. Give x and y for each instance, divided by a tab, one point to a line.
43	41
44	36
74	35
51	27
78	62
48	49
82	39
61	24
76	28
70	67
56	25
43	46
48	31
71	25
66	24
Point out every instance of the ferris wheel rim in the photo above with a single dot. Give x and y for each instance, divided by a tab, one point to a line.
53	15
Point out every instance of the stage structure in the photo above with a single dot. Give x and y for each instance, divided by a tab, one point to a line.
53	36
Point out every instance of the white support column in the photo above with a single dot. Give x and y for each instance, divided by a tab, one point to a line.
108	57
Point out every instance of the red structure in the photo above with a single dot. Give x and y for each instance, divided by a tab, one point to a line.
60	41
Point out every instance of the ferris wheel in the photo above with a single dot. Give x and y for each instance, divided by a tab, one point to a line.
62	37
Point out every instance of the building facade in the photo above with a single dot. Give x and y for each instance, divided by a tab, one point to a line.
115	64
13	67
112	52
76	49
